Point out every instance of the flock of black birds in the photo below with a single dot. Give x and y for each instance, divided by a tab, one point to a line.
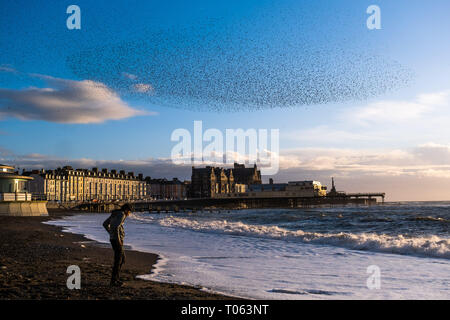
210	68
219	73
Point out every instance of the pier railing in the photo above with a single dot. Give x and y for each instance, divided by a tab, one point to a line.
369	195
261	201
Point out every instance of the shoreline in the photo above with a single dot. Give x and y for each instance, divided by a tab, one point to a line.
35	257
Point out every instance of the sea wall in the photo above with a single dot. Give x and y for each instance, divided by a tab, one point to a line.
23	208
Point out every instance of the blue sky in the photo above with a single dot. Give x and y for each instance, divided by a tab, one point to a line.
361	140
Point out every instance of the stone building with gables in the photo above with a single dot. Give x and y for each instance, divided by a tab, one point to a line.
211	181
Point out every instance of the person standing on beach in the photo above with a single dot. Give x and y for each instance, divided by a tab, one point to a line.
114	226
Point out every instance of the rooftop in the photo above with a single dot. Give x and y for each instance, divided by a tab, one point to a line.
5	168
7	172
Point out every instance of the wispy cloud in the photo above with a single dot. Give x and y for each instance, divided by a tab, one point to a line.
7	68
328	134
154	167
389	122
6	154
129	75
399	110
425	160
66	101
422	161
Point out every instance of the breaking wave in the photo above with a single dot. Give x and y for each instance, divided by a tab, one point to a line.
307	291
430	246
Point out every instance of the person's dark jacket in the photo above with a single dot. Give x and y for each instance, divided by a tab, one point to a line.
114	225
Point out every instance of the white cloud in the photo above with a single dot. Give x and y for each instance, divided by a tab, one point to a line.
156	168
6	68
66	101
328	134
129	75
436	99
398	111
427	160
390	111
380	124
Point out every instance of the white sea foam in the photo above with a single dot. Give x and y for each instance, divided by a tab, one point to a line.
431	246
157	267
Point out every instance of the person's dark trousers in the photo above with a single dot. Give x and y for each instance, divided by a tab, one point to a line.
119	259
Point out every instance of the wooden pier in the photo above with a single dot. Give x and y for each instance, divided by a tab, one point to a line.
259	202
161	206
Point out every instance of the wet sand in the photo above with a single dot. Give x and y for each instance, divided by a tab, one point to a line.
34	258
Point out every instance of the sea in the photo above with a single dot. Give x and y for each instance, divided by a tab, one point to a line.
389	251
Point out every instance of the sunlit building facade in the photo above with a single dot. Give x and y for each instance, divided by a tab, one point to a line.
66	184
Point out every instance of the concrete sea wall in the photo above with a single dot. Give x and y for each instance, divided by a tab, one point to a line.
23	208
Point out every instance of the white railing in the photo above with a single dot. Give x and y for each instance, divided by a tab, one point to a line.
19	196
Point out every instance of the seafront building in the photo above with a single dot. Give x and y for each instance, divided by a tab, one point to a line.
212	181
163	189
246	176
308	188
66	184
13	187
300	189
15	198
82	185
